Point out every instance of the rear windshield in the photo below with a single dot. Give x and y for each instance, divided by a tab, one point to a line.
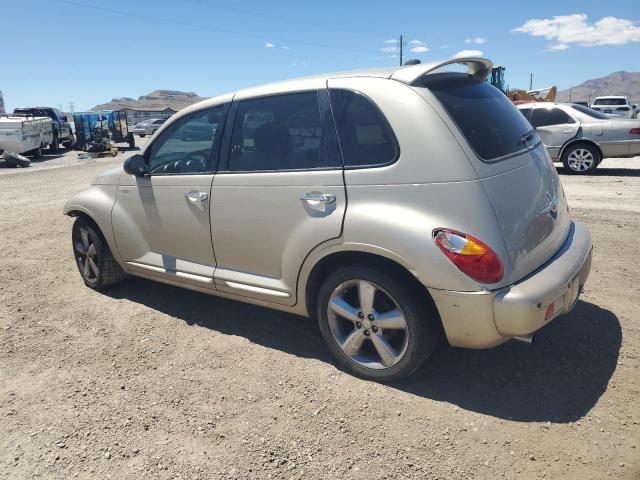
487	118
610	101
589	111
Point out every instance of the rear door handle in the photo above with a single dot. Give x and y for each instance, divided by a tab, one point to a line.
319	198
195	197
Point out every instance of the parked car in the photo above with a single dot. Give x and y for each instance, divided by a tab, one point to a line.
147	127
455	220
581	137
25	134
615	106
62	132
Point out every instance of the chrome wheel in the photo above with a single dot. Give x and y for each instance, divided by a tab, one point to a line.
367	324
86	256
580	160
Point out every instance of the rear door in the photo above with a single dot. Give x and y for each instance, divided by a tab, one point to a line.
554	127
512	164
279	194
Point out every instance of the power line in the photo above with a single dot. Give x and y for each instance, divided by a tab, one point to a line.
199	26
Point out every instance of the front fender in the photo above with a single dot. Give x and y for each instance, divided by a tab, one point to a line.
96	202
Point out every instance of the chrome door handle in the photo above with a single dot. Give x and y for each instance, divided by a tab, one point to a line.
195	197
317	198
567	131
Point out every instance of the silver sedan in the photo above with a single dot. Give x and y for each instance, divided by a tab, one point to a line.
581	137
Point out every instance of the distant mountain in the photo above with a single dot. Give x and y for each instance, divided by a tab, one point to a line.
156	100
617	83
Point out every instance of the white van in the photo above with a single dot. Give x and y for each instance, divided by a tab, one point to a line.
25	134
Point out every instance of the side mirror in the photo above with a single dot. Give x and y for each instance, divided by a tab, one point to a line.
136	165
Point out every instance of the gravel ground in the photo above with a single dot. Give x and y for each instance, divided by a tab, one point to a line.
151	381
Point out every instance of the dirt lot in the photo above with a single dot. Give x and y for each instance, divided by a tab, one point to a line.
151	381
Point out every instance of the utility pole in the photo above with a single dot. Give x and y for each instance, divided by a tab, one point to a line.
530	81
400	50
72	107
570	92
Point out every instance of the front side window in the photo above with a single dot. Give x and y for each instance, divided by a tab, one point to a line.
485	116
543	117
366	139
281	132
189	145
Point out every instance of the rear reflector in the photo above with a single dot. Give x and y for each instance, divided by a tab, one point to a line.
550	311
635	131
470	255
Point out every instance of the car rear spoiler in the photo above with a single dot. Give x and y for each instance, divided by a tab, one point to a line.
478	67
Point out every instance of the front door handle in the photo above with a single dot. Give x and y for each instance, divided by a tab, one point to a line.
319	198
567	132
195	197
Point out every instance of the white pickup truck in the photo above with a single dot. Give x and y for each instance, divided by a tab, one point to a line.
20	134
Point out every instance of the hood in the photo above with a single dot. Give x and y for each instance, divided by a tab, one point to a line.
110	177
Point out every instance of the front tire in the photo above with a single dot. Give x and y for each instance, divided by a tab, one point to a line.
98	268
581	158
378	326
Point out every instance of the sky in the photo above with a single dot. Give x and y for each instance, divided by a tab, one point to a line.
90	51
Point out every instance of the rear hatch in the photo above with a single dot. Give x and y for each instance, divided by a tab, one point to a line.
513	166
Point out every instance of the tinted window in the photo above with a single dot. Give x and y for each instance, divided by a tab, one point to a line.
610	101
526	112
590	111
189	145
486	117
281	132
366	139
543	117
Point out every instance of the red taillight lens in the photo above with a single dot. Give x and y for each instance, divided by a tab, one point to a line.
635	131
470	255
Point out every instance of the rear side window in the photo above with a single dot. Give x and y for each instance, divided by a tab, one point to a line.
490	122
543	117
590	111
281	132
366	139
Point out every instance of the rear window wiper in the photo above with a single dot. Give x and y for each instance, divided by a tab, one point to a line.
527	136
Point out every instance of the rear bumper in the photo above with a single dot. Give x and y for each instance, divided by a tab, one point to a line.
486	319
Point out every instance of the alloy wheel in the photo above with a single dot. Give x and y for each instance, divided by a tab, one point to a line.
367	324
86	256
580	160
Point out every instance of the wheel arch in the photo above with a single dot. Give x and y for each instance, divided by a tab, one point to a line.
314	272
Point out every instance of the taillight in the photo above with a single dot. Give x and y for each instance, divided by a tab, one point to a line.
635	131
470	255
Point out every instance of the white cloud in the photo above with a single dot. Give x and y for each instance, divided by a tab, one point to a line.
468	53
389	49
566	30
419	49
391	40
269	45
478	40
286	48
416	42
444	46
467	40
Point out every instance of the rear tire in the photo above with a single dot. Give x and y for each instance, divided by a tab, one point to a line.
98	268
16	160
385	336
581	158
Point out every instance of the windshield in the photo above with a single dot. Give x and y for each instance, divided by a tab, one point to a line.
487	118
610	101
589	111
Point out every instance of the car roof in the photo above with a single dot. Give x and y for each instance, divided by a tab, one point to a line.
407	74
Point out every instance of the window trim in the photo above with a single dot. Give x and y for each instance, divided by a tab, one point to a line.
232	118
551	109
213	167
396	144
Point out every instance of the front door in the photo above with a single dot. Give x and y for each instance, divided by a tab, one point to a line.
161	222
554	127
279	194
